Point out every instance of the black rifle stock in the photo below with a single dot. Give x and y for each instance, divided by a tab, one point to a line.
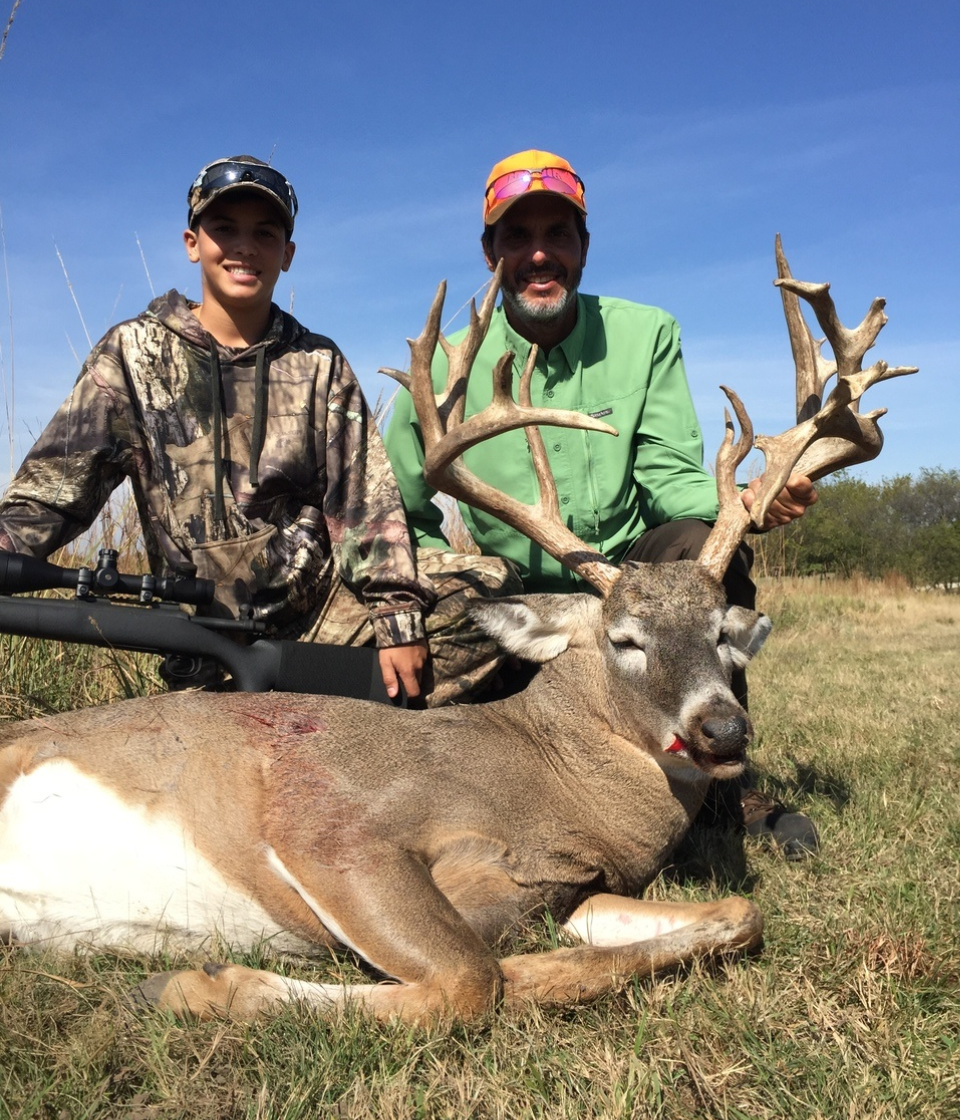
155	624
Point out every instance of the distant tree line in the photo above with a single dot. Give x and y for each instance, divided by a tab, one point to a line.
904	525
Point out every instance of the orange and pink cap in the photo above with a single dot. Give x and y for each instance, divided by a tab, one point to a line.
525	173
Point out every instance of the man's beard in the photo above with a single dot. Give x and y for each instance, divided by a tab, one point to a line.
536	310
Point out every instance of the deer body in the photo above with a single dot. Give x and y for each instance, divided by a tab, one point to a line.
317	820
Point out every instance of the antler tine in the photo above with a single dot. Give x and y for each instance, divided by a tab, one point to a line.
828	436
418	381
448	406
447	436
460	358
546	483
733	520
813	370
592	566
832	435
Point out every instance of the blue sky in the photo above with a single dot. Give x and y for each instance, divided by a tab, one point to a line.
700	129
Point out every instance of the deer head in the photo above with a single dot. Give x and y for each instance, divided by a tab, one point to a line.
650	663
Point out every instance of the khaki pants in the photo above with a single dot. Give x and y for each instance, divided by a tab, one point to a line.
463	660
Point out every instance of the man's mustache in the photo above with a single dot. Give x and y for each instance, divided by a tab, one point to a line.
557	272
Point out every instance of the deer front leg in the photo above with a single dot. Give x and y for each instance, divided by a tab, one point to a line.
626	937
387	909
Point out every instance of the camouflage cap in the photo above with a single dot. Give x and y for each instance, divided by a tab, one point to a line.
236	172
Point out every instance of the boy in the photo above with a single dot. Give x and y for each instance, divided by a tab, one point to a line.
253	457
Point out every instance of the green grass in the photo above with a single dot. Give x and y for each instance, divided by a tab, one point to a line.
850	1010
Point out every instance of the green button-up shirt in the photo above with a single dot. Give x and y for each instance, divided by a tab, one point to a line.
621	363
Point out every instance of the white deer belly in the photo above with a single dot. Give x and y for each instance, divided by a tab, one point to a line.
80	867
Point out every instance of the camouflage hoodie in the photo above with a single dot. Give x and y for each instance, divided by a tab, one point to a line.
258	467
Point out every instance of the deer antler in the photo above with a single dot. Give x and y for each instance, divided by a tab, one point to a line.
827	437
446	435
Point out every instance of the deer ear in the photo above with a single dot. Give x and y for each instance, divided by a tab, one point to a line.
746	631
534	627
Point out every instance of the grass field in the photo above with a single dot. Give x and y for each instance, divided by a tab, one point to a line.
850	1011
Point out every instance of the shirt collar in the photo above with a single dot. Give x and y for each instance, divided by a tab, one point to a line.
571	347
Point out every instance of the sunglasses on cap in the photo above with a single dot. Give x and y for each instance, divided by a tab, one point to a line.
225	175
555	179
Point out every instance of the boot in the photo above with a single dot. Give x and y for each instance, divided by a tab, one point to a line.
793	833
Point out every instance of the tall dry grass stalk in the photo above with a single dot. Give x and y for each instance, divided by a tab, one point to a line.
6	30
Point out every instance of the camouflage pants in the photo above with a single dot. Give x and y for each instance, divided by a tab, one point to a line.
463	660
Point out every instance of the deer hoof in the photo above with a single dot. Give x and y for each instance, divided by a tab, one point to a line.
152	992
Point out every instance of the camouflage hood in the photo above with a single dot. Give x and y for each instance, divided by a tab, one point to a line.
178	314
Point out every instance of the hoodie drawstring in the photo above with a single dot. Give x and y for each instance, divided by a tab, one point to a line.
259	415
216	405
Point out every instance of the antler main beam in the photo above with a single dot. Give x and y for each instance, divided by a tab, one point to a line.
827	437
446	436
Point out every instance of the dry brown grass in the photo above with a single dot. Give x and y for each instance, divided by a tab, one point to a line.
849	1011
46	676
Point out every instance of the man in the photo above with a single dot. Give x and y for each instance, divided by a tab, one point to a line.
254	459
648	498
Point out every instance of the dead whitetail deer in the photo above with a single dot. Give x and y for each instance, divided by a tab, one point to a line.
423	840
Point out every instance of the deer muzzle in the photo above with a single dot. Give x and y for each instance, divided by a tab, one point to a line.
726	738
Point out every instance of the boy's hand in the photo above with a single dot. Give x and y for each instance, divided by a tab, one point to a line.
403	665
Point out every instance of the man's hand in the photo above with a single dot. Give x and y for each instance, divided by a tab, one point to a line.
403	665
789	504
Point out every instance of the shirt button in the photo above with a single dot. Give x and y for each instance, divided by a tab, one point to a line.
557	446
565	501
548	393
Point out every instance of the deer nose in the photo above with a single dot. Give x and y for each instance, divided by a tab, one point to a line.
727	736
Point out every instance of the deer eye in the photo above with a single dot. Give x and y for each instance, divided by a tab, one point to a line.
626	637
629	650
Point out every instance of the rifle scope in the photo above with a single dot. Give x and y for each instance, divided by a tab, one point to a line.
19	573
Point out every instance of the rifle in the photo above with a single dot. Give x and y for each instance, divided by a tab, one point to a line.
147	618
